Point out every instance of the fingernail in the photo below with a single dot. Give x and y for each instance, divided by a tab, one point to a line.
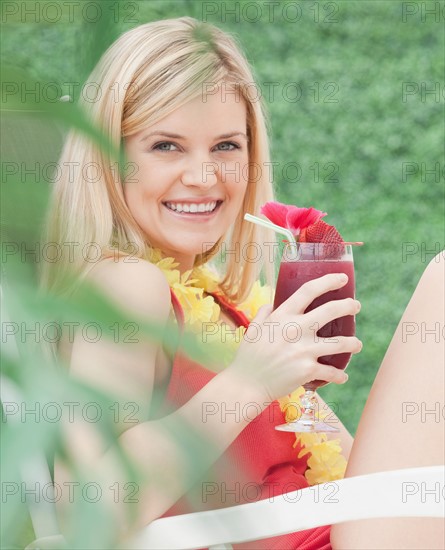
359	305
345	378
343	277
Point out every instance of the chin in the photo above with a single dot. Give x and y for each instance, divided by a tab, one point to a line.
202	248
189	249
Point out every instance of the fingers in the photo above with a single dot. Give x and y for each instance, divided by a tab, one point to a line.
334	310
263	313
329	374
305	295
326	347
338	344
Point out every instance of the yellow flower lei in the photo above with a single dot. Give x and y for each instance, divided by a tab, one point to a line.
326	462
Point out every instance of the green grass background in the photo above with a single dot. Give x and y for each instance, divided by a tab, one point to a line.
363	52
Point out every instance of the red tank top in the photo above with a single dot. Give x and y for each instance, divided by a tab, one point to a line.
260	463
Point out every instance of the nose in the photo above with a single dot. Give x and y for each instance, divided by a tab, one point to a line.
200	173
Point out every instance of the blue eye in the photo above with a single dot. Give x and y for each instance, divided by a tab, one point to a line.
164	146
228	146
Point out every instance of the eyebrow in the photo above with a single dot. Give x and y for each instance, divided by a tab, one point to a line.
177	136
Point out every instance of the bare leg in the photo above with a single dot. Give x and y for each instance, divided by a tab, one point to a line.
402	425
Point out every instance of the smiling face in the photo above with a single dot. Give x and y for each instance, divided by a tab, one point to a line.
192	170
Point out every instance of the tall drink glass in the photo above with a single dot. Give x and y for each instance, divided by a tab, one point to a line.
300	263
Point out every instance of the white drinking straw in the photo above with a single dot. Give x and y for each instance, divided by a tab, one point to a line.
278	229
270	225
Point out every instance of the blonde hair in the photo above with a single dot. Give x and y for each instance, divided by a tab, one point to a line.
146	74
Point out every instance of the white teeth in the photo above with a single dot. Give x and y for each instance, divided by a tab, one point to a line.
192	208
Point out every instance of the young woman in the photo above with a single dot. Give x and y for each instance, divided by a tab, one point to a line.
176	97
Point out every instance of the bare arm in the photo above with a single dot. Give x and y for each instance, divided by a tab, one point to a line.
127	371
164	449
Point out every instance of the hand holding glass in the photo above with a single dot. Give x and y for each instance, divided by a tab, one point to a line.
301	263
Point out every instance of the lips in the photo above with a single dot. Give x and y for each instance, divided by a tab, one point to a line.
193	209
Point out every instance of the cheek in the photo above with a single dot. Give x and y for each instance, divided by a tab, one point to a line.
237	178
238	186
144	183
153	180
237	194
136	198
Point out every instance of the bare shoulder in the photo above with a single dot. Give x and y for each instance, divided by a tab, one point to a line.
136	285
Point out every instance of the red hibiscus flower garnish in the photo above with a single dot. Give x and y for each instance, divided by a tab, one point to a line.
299	218
291	217
276	212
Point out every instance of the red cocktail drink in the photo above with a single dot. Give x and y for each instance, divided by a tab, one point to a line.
301	263
308	261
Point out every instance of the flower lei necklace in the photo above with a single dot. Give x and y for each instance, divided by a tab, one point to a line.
325	463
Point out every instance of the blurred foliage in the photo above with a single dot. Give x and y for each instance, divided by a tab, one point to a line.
354	127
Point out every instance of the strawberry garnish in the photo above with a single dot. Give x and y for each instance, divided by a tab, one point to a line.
325	234
321	232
